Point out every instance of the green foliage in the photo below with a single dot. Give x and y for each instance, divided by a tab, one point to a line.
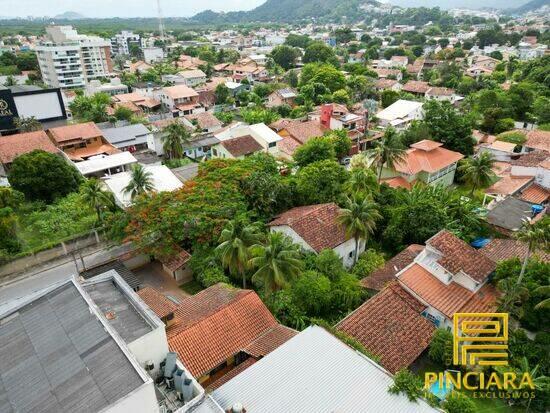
285	56
389	97
311	293
408	383
211	276
477	171
316	149
43	176
225	117
253	116
441	347
90	108
323	74
267	193
368	262
515	137
318	52
29	124
10	198
123	113
329	263
9	243
320	182
459	403
222	93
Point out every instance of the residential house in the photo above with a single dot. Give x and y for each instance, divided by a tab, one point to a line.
139	66
206	122
441	94
481	65
359	57
400	114
136	102
193	78
181	98
388	84
81	141
316	228
239	140
449	276
537	140
237	148
222	329
508	215
295	133
314	372
105	166
114	87
189	63
502	249
153	54
416	87
389	73
281	97
535	164
499	150
12	146
162	178
391	326
426	161
176	266
252	72
128	138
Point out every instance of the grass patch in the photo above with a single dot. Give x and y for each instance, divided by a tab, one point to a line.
192	287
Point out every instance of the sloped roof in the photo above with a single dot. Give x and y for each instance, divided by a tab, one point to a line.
304	131
398	182
501	249
428	158
538	139
241	146
531	159
382	276
270	340
459	256
179	92
416	86
317	225
13	146
158	302
77	131
508	185
177	261
535	194
205	120
391	327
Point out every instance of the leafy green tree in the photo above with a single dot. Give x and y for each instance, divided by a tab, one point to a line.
341	142
91	108
236	241
253	116
389	97
541	110
43	176
141	182
316	149
329	263
362	180
94	195
368	262
175	138
311	293
341	96
543	290
459	403
327	75
319	52
441	347
123	113
346	294
285	56
297	40
320	182
536	236
447	126
9	242
477	171
387	152
359	217
277	262
406	382
29	124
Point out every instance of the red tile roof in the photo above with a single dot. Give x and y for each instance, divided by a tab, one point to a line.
426	145
459	256
448	299
205	120
14	145
179	92
270	340
535	194
204	342
508	185
177	261
304	131
317	225
382	276
242	146
390	326
232	373
428	158
440	91
398	182
538	139
500	249
83	131
416	86
157	302
532	159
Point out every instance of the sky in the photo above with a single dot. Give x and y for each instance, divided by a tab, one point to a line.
120	8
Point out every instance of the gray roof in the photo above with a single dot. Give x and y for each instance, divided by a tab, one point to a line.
57	356
315	372
126	274
186	172
509	213
119	311
127	135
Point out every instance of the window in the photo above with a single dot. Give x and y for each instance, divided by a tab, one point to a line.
350	254
272	144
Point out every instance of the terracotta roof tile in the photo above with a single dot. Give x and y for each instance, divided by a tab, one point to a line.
77	131
416	86
398	182
270	340
504	249
317	225
440	91
535	194
232	373
448	299
538	139
288	145
382	276
208	341
508	185
304	131
179	92
177	261
387	72
532	159
390	326
459	256
417	160
385	83
205	120
242	146
14	145
157	302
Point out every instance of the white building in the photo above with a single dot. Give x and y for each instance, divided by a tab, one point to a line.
100	166
400	114
122	42
69	60
153	54
114	87
261	133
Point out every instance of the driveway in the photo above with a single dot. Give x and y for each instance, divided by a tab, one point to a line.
153	275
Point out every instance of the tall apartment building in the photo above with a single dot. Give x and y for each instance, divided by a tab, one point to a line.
69	60
121	42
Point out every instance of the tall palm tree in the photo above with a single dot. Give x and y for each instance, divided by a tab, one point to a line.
477	171
94	195
543	290
29	124
175	139
536	236
277	262
540	381
361	180
235	240
359	218
141	182
388	152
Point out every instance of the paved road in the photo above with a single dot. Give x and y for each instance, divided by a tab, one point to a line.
56	271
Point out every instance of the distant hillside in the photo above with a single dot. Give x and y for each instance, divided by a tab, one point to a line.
451	4
532	5
70	15
289	10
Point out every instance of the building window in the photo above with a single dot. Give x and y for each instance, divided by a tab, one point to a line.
350	254
272	144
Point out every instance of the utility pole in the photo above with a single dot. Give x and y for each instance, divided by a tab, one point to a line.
161	24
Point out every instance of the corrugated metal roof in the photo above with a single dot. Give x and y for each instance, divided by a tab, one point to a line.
126	274
315	372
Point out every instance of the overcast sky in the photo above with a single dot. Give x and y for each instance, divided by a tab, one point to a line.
120	8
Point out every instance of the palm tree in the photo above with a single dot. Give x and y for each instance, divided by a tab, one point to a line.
540	381
388	152
94	195
359	218
29	124
141	182
543	290
361	180
536	236
174	140
235	240
277	262
477	171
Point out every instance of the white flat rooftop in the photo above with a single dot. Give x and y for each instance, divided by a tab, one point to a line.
399	110
92	166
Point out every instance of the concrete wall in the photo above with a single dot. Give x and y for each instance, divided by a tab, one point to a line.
152	346
143	399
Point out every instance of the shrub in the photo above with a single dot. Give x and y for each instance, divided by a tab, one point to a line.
368	262
441	347
513	137
406	382
459	403
211	276
329	264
